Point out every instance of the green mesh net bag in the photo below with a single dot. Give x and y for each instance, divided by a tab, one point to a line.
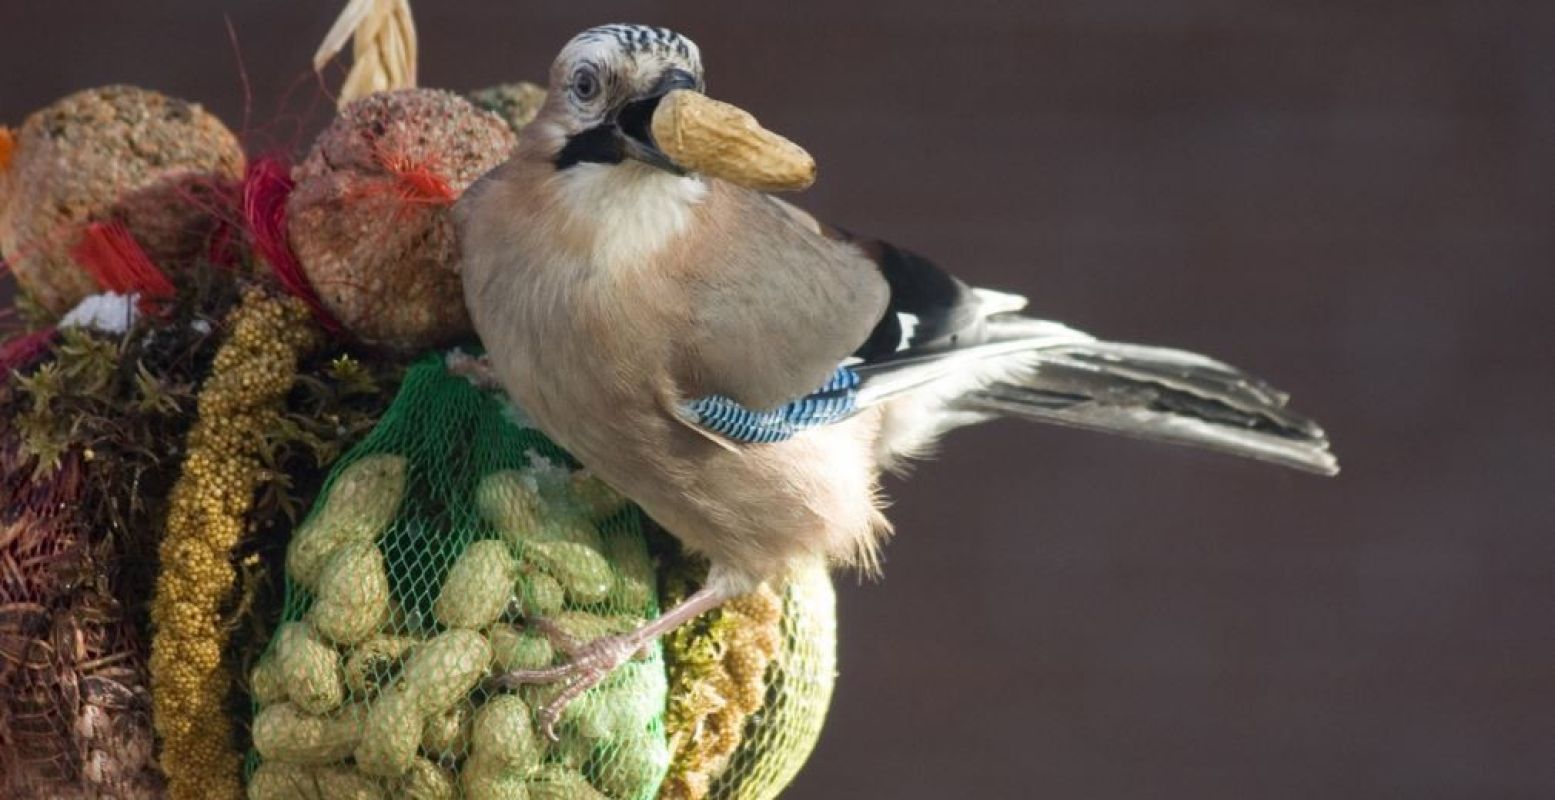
749	687
431	552
431	548
776	740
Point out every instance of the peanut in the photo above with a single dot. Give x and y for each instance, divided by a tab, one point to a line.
723	141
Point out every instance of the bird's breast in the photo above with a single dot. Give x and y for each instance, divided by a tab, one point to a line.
583	351
628	214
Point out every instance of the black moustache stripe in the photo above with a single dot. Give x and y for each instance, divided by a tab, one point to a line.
599	144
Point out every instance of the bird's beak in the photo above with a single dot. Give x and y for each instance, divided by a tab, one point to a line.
634	122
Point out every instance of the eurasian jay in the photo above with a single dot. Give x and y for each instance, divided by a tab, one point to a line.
745	374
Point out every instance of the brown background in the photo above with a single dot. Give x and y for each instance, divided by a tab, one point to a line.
1352	198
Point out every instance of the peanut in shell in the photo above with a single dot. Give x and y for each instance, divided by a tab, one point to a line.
285	733
723	141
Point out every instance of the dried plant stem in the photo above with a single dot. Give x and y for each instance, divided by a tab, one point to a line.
383	47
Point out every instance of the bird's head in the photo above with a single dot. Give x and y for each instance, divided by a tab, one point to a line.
605	86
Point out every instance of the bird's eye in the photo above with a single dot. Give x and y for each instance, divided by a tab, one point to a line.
585	84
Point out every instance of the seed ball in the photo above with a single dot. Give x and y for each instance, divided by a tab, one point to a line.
370	216
115	153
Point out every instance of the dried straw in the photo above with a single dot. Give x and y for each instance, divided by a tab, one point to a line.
383	47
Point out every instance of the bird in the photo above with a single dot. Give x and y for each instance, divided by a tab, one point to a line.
745	373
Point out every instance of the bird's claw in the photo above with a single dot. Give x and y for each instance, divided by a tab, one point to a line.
589	665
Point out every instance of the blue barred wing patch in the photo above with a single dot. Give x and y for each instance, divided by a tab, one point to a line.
833	402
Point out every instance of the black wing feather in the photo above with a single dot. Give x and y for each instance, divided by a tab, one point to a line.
945	308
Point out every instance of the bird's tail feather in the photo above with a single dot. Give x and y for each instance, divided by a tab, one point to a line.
1044	371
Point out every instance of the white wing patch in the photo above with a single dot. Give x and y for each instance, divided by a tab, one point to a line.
909	324
995	302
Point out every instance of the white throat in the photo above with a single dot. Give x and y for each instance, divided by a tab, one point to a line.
634	210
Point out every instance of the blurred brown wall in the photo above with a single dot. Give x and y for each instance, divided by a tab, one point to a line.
1351	198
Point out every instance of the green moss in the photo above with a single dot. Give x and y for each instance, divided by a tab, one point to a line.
693	653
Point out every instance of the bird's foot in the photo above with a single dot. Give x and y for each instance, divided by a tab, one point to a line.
589	664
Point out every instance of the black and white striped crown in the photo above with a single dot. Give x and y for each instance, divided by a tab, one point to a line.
641	39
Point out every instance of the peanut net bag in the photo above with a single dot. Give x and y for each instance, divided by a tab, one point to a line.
431	551
455	543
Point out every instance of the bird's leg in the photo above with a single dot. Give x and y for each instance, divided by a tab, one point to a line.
592	662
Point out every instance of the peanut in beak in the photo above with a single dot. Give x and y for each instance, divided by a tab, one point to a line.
7	147
717	139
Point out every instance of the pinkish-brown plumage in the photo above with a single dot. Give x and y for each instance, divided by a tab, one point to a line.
618	296
599	338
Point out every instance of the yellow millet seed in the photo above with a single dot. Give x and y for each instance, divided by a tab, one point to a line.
719	685
239	401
